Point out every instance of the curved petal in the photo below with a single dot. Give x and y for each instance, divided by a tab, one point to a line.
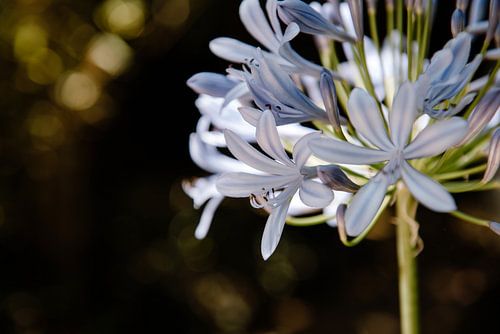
427	191
403	114
255	22
460	48
365	117
315	194
213	84
207	217
272	232
269	140
250	115
365	204
231	49
436	138
301	150
250	156
439	63
337	151
244	184
210	159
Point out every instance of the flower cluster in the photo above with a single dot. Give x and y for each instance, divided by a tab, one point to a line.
308	139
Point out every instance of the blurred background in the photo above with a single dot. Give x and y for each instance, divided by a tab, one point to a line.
96	235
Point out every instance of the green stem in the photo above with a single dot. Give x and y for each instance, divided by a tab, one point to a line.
461	173
373	28
408	289
409	42
308	221
425	36
470	219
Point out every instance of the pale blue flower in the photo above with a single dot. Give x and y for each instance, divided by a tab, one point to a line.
272	88
310	21
282	178
446	76
395	150
270	34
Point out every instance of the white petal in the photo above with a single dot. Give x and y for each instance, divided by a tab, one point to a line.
427	191
337	151
301	149
245	184
315	194
403	114
272	231
436	138
255	22
249	155
365	204
439	63
231	49
207	216
210	159
250	115
366	118
269	140
460	47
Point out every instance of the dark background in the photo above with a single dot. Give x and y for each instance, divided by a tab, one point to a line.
96	236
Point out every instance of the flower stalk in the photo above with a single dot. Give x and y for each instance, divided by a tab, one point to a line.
408	288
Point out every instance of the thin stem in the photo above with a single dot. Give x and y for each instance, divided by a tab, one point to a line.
425	36
409	41
373	28
461	173
408	290
390	19
308	221
471	219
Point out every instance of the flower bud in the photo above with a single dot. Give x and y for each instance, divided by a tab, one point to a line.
482	114
457	22
493	19
493	157
329	95
356	9
335	178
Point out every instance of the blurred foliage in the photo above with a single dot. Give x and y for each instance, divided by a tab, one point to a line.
96	235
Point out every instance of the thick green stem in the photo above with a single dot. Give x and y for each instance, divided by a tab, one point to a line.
408	290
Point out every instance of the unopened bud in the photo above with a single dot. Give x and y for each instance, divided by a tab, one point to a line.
341	222
356	8
493	19
497	36
335	178
457	22
482	114
493	157
329	95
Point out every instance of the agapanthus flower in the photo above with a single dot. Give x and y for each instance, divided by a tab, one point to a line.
282	177
386	116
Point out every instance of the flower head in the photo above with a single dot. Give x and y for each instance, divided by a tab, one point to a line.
281	178
393	149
